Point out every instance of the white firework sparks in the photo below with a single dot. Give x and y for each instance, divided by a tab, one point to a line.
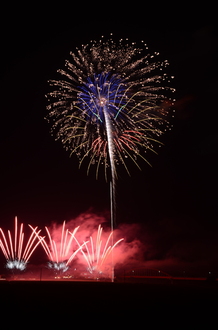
15	251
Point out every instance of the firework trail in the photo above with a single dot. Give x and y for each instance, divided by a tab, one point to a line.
59	251
96	251
16	253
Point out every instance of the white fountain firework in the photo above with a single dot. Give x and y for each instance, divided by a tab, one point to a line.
16	252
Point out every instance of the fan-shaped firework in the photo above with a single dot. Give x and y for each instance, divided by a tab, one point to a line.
59	251
96	251
16	253
110	103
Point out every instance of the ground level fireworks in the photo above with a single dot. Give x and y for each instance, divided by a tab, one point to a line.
74	252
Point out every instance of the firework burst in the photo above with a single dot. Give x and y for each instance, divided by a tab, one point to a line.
110	103
15	251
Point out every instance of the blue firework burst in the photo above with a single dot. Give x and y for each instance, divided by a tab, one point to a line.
102	90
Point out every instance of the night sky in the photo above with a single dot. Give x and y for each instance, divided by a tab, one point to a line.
175	201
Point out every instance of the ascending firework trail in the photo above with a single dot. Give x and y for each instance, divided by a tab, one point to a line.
110	105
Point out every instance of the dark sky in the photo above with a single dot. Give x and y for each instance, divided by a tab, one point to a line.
176	199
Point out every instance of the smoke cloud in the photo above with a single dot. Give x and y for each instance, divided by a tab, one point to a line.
128	248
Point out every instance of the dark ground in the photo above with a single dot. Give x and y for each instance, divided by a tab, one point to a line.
99	303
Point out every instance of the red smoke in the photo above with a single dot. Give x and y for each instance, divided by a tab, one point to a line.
128	251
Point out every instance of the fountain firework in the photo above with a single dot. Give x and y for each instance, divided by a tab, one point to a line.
96	251
60	252
15	251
